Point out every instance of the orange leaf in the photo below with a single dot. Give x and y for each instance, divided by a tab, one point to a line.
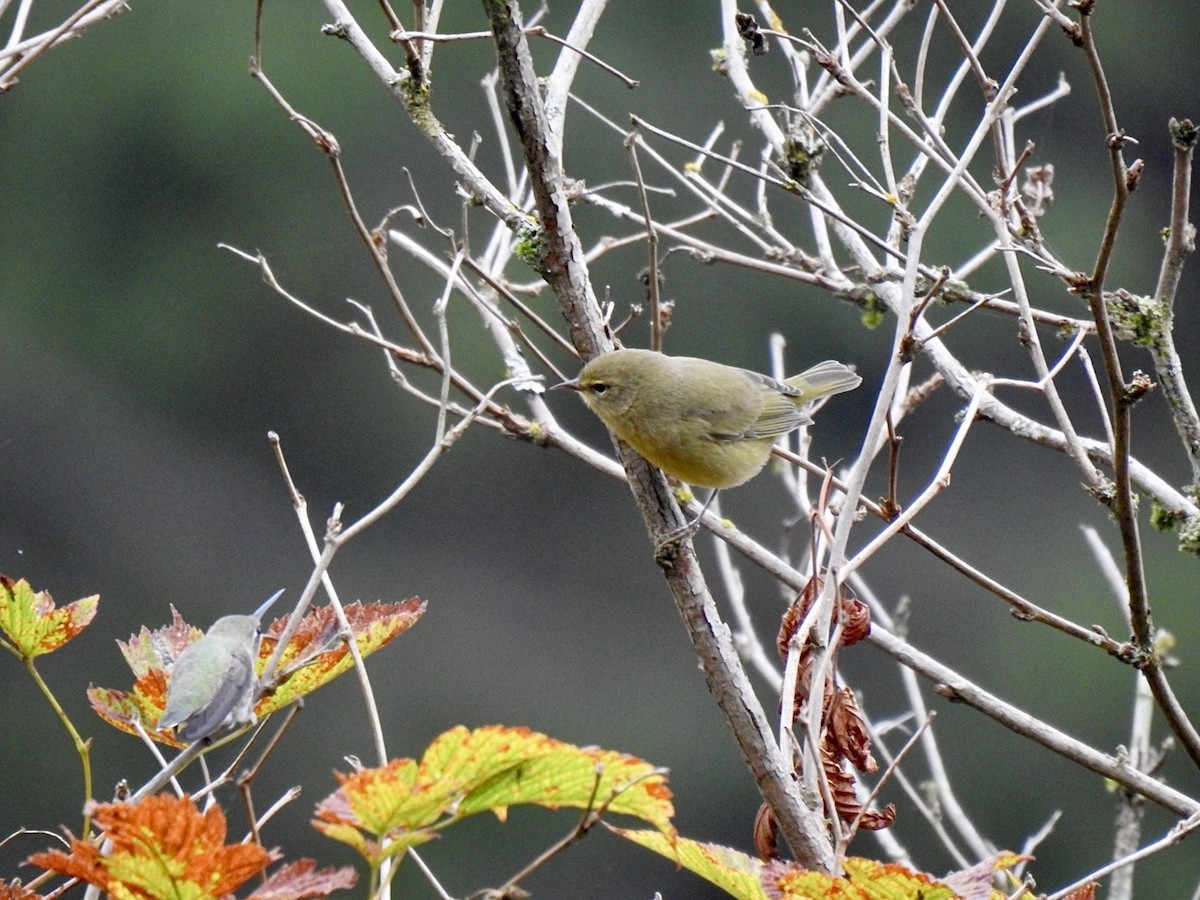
14	890
161	847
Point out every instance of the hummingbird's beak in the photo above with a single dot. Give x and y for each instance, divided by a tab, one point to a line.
258	613
570	385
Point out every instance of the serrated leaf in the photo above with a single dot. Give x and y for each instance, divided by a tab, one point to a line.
564	775
144	703
315	651
732	871
379	811
161	847
976	881
863	879
316	655
158	649
302	879
747	878
371	805
31	622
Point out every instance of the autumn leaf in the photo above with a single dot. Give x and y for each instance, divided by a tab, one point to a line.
148	650
383	811
30	620
732	871
842	785
748	878
14	890
863	879
161	847
302	879
976	880
315	655
846	731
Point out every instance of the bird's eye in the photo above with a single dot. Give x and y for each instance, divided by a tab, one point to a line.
599	387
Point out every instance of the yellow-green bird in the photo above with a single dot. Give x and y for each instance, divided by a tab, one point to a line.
708	424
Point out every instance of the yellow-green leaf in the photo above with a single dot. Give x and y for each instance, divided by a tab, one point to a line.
465	772
864	878
734	872
747	878
31	622
532	768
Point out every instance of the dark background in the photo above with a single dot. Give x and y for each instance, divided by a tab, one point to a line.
141	369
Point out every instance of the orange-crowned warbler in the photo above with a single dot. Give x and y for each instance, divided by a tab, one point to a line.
708	424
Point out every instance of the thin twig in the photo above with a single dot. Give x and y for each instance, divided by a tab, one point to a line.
1181	242
26	52
1122	400
1177	833
652	276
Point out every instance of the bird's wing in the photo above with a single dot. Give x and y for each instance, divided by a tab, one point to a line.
730	416
780	412
210	717
779	416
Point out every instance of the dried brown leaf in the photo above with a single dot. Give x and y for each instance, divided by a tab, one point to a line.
846	733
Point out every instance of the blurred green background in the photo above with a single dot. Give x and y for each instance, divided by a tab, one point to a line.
142	368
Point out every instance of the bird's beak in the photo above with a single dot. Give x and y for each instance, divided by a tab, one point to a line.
570	385
261	611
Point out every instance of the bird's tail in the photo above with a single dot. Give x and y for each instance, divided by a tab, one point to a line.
823	380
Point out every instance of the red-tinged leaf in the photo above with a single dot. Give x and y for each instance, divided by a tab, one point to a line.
734	872
533	768
144	703
161	847
315	655
863	879
302	879
30	620
315	650
975	882
149	650
371	802
744	877
380	811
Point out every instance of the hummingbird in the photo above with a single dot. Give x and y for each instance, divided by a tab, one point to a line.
213	682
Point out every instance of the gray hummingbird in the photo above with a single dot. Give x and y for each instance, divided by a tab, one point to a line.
213	682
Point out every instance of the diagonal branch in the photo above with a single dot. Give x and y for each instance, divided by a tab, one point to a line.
1123	398
1181	241
560	259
